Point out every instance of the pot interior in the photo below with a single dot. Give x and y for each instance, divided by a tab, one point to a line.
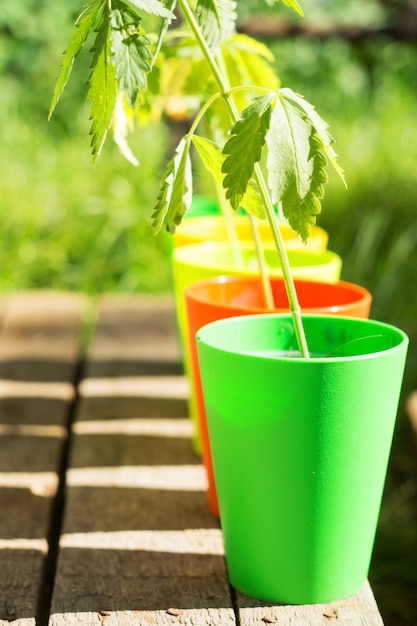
273	336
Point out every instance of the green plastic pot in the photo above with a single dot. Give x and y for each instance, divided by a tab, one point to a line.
205	260
202	206
300	448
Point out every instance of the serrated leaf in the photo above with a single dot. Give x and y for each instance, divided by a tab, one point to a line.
293	4
213	159
175	196
250	61
217	20
83	26
211	156
309	111
154	7
170	4
131	56
299	144
288	139
301	212
102	88
121	122
244	147
296	163
321	127
252	200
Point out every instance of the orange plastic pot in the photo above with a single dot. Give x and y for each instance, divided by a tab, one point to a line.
229	296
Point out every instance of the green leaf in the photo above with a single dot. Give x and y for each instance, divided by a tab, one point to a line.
217	19
121	124
83	26
175	196
249	62
154	7
166	22
211	155
244	147
293	4
298	141
102	88
321	127
131	56
301	212
213	159
288	139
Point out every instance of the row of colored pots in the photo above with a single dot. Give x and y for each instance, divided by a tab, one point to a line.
295	449
196	262
229	296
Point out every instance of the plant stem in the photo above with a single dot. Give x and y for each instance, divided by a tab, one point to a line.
262	265
266	283
230	227
163	30
285	265
270	213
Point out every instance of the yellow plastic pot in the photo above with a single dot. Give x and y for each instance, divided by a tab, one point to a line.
213	228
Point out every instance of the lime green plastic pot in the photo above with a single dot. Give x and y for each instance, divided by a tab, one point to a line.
300	448
198	261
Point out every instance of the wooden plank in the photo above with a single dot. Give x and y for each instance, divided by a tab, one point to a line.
39	339
139	545
146	341
170	617
4	300
137	552
134	337
20	572
411	407
133	396
40	336
21	453
24	402
360	610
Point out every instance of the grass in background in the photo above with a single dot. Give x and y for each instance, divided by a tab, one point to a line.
64	222
68	224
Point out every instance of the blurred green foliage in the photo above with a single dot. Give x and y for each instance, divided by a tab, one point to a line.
64	222
68	223
367	91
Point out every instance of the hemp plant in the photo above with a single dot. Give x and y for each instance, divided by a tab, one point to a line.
242	119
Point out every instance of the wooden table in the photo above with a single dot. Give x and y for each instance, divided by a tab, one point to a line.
104	518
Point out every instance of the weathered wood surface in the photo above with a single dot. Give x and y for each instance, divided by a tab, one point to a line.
39	337
412	414
358	610
138	544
